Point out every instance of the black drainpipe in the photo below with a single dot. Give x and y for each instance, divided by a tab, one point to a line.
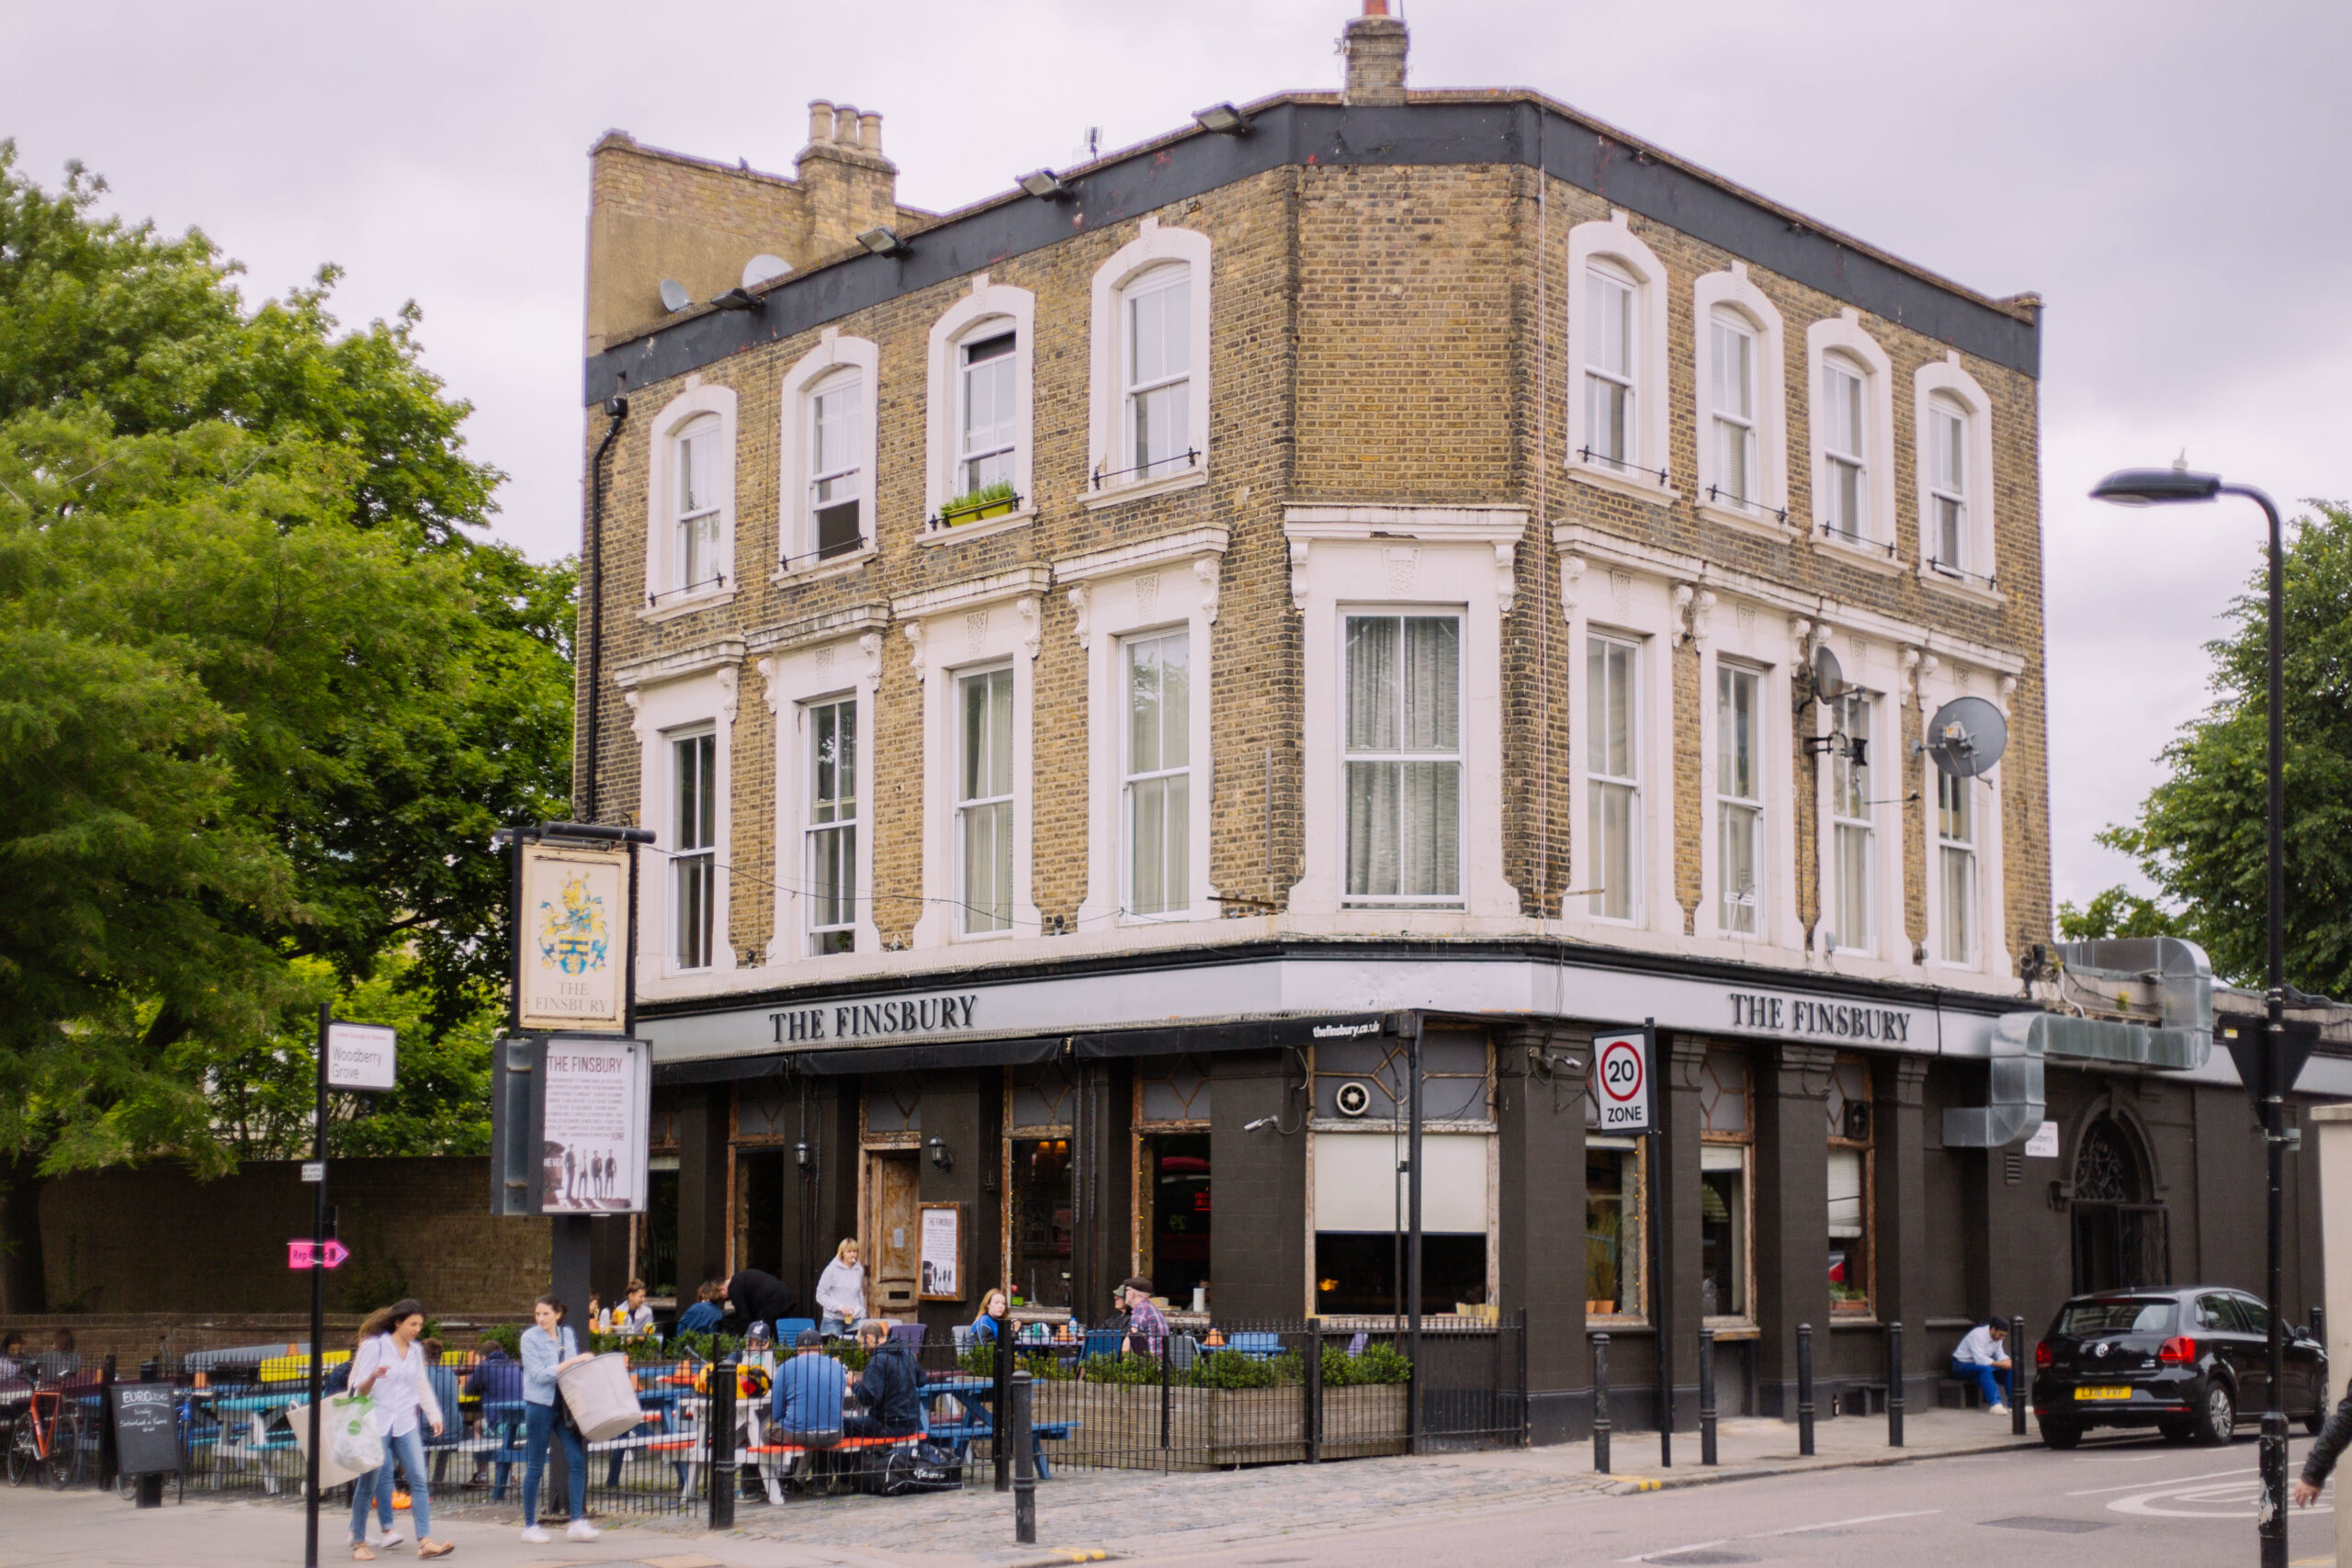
617	409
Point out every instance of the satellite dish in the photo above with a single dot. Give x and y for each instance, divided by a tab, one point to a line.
674	296
1828	679
1967	736
762	268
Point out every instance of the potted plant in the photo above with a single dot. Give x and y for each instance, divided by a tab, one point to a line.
974	506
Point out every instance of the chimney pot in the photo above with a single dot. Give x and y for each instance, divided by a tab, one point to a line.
820	122
1375	7
845	125
869	132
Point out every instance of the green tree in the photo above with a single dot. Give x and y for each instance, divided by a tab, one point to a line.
263	700
2118	911
2200	836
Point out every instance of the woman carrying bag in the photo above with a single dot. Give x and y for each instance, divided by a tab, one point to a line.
389	1369
548	1348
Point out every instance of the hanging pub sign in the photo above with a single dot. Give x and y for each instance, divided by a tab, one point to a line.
572	938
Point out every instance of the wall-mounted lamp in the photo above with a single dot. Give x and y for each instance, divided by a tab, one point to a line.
1223	119
1046	185
1260	1125
940	1157
883	240
804	1156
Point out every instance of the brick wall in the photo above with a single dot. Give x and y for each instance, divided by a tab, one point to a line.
154	1239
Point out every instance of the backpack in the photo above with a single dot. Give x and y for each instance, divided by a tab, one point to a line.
923	1466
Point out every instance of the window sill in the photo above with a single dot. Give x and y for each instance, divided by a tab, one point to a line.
1761	524
688	606
980	530
818	571
1853	1320
1960	587
1191	478
1871	557
1734	1329
1649	492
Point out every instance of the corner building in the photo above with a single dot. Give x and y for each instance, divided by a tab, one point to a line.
1107	665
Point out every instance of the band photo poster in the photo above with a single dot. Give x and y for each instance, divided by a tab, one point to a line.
593	1127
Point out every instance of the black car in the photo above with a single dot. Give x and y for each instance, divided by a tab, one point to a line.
2191	1362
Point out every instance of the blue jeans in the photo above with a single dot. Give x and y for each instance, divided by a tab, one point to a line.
541	1426
407	1450
1991	1380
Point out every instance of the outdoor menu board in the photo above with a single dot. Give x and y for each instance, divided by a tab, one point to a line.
146	1428
941	1267
592	1126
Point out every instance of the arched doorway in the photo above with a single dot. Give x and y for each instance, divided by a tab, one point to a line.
2121	1239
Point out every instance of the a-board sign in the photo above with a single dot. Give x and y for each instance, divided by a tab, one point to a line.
146	1426
1624	1081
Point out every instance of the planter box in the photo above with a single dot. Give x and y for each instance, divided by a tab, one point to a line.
950	517
1214	1428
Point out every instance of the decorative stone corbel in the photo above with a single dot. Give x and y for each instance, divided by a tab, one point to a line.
1298	548
1571	581
2008	688
914	640
1078	598
869	648
1800	637
1683	594
1926	672
725	675
1209	569
1506	578
1033	618
636	713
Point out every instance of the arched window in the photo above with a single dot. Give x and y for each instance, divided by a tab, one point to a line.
835	506
1152	363
1852	419
826	473
979	418
690	503
1617	336
1955	479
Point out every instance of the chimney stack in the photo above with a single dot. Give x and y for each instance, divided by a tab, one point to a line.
1375	46
849	187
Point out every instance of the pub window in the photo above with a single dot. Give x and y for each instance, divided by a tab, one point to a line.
1726	1153
1039	1112
1851	1217
1172	1210
1360	1109
1615	1216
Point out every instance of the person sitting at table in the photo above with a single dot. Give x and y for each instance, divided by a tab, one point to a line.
811	1389
497	1380
704	1315
841	1289
1146	1329
12	1354
994	1307
59	1362
633	1317
888	1390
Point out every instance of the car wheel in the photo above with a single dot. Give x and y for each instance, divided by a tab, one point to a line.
2221	1423
2176	1431
2061	1434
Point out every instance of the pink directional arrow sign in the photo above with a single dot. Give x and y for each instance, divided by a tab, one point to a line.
316	1255
332	1255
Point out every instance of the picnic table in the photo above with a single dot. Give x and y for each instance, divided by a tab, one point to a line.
978	1396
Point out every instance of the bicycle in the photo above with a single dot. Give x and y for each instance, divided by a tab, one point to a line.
50	1446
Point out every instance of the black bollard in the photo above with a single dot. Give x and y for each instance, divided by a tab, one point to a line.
1804	1389
1601	1404
1706	1396
1894	1386
722	1444
2018	1386
1003	1357
1024	1464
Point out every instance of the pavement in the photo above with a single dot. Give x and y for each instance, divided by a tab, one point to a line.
1083	1514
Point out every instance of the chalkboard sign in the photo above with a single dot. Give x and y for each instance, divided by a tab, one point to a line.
146	1428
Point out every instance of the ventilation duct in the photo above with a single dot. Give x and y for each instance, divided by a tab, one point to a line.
2014	1107
2172	976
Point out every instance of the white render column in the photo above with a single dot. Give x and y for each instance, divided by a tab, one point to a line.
2333	1124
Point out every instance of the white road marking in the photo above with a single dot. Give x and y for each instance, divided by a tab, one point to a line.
1836	1524
2233	1498
2176	1481
1674	1551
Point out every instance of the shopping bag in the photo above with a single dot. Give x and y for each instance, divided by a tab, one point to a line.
601	1397
337	1450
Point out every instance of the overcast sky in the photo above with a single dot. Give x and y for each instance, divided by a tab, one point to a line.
2170	176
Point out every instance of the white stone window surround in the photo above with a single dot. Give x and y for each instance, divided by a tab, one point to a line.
796	542
667	694
833	656
1107	443
1946	376
983	621
1756	637
1401	558
1613	242
1736	292
1616	594
1881	669
1940	677
665	600
988	309
1843	334
1154	586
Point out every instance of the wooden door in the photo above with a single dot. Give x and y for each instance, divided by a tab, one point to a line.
892	1245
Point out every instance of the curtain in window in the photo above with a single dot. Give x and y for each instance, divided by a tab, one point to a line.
1404	696
1159	789
987	791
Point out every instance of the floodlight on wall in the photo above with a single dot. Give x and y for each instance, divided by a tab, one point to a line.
1223	119
940	1156
739	300
1045	185
883	240
674	296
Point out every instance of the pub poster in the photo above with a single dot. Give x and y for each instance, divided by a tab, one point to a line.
592	1127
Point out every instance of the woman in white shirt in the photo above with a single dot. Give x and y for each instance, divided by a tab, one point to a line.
841	1289
389	1369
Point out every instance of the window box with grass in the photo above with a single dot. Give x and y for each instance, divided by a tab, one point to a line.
977	506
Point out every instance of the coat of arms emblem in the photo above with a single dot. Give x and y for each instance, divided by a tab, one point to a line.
571	931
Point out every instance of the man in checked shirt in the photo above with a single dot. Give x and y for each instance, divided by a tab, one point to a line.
1146	1329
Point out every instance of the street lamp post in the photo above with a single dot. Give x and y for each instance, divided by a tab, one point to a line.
2151	487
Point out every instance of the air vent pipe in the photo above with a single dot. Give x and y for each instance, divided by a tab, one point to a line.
2014	1106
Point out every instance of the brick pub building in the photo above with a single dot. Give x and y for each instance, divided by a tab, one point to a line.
1108	664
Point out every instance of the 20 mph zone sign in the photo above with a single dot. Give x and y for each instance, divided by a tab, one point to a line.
1621	1067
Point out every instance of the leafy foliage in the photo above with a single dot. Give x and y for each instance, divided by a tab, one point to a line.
2200	835
2118	911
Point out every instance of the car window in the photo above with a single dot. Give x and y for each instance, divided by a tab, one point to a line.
2253	1314
2131	1315
2219	1312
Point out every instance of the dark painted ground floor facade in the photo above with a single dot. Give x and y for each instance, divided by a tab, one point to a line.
1231	1122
